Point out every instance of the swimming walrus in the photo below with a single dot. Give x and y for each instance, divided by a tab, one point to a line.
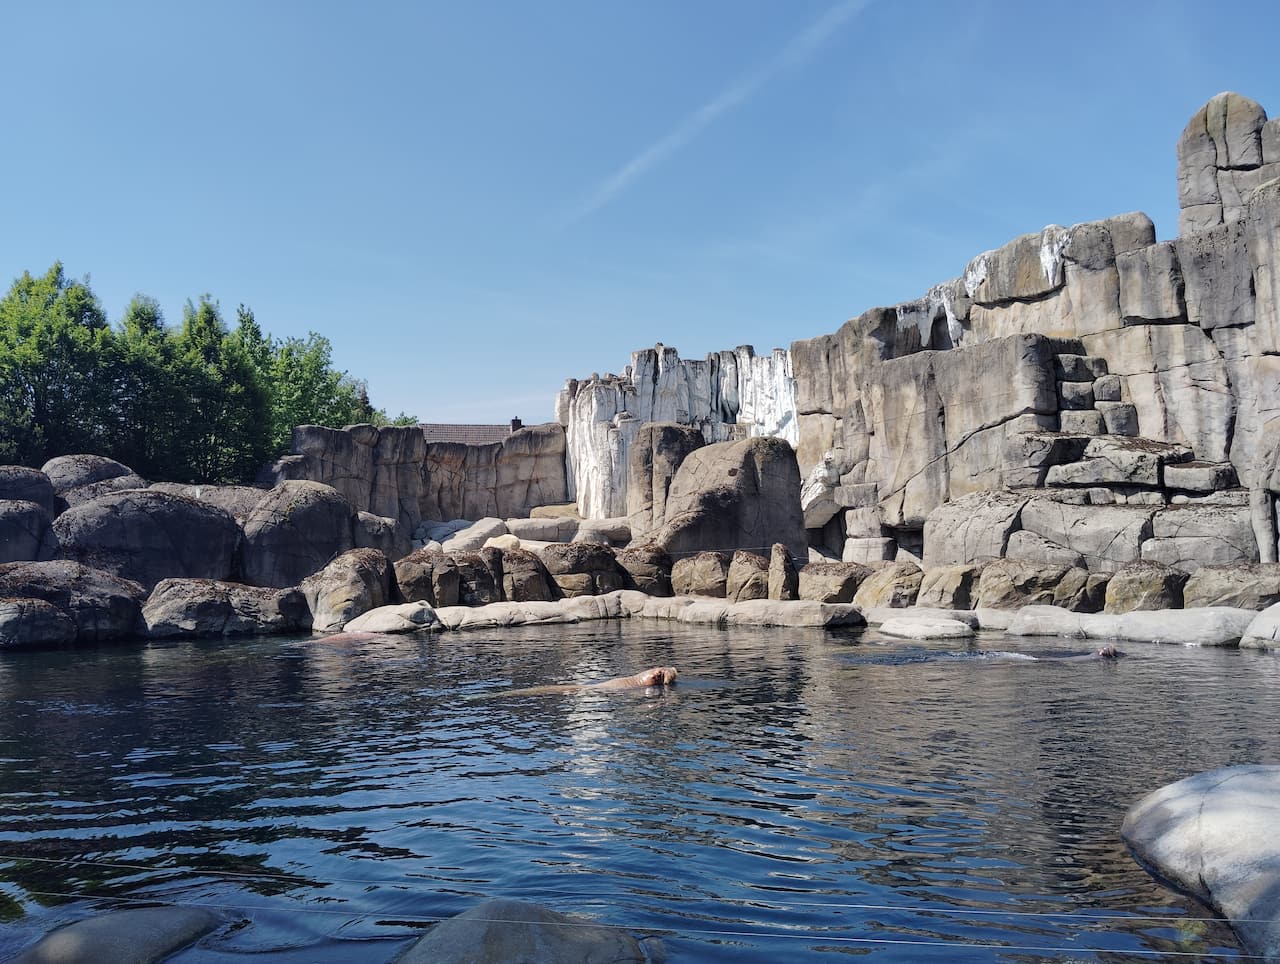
654	676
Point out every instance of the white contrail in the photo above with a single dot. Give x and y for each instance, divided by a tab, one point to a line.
795	54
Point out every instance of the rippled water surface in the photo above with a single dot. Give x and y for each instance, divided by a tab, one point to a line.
799	793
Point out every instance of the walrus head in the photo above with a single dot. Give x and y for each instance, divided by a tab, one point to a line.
659	676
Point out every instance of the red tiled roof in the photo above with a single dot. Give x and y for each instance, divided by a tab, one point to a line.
466	434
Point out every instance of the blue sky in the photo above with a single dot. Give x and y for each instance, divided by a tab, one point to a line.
476	200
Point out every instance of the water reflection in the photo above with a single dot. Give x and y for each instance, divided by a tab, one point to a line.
806	791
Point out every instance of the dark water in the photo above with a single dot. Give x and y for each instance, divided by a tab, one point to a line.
798	793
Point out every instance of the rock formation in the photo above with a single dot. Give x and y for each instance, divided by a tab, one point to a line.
1098	398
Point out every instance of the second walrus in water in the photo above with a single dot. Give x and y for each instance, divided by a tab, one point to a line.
654	676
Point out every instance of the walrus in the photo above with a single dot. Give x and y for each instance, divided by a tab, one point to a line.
1106	652
654	676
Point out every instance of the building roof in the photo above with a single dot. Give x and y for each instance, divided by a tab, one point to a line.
466	434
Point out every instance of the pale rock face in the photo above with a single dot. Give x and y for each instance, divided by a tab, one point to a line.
1213	835
730	394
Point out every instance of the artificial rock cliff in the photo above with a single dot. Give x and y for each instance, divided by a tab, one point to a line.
1118	397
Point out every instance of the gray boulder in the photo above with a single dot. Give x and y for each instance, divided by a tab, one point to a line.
103	606
1144	586
1244	587
1027	546
474	536
354	583
1213	836
25	532
524	577
69	472
657	452
148	536
239	500
293	532
949	587
21	484
428	575
734	495
784	580
1082	591
973	528
701	574
748	577
380	532
502	931
1194	535
919	627
1107	536
895	586
205	608
139	935
1009	584
832	582
410	617
479	578
582	568
647	568
34	622
1263	631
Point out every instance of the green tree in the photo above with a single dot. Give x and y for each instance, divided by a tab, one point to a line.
228	437
152	412
55	353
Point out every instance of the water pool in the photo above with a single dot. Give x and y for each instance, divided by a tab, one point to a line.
798	793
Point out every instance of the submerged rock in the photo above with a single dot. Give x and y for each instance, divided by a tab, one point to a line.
136	936
502	931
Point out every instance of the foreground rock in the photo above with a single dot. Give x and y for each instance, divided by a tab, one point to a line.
1263	631
1214	836
294	531
354	583
136	936
34	622
204	608
148	536
102	605
500	931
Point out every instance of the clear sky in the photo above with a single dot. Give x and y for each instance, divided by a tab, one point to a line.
477	199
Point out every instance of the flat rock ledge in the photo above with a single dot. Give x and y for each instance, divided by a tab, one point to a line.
139	935
619	604
1214	836
1209	626
917	627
